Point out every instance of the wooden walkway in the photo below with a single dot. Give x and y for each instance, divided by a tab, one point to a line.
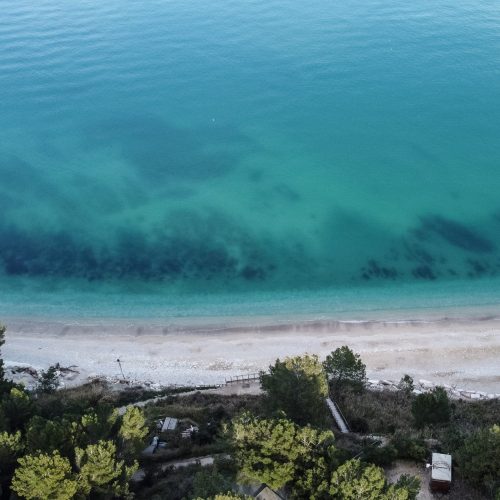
337	416
243	378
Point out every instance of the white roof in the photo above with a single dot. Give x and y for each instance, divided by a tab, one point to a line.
169	424
441	467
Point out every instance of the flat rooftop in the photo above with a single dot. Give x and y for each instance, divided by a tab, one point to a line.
169	424
441	467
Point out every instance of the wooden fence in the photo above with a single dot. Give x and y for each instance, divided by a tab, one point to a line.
243	378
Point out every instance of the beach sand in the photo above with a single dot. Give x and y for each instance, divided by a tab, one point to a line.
464	353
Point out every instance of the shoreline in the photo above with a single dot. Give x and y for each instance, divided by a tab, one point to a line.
457	351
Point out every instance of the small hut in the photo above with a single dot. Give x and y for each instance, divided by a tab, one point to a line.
266	493
441	473
169	424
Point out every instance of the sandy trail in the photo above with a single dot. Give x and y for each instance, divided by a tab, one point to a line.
460	352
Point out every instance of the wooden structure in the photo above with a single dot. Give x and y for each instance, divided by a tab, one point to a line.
243	378
266	493
441	473
337	416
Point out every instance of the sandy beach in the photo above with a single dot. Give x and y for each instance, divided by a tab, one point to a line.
460	352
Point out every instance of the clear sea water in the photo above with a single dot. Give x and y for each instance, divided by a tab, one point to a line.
258	157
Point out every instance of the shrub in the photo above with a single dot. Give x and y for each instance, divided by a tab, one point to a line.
431	408
379	455
359	424
409	447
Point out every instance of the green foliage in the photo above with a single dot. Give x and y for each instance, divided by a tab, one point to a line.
44	477
279	453
46	436
101	424
49	380
208	483
11	445
11	448
101	473
355	480
17	408
379	455
409	447
410	484
431	408
298	387
132	431
479	459
133	424
345	368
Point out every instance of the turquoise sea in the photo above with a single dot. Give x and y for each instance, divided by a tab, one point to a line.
192	158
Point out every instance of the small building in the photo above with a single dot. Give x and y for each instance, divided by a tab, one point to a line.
441	473
169	424
266	493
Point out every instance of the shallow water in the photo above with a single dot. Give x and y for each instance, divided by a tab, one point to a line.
168	152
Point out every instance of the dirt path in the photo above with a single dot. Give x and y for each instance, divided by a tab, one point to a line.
401	467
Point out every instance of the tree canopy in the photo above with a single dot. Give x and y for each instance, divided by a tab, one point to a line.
11	448
44	477
49	380
298	387
101	472
17	409
279	453
132	431
344	367
354	480
479	459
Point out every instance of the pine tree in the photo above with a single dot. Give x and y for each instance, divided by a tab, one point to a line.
100	424
133	430
279	453
11	448
49	380
345	368
298	387
17	409
133	424
46	436
354	480
101	472
44	477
